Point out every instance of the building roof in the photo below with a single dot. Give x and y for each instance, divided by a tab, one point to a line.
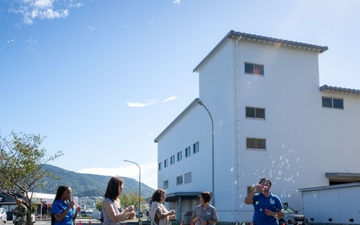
326	88
173	197
329	187
264	40
186	110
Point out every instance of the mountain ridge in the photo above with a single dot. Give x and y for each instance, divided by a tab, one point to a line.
86	185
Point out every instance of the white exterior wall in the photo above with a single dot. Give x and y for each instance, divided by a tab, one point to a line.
194	127
304	140
181	136
289	92
217	91
332	205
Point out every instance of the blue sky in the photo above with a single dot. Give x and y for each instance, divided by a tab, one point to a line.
102	78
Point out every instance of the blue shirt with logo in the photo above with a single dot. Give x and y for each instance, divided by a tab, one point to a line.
260	203
58	207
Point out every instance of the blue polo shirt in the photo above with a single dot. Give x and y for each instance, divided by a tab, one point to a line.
260	203
60	206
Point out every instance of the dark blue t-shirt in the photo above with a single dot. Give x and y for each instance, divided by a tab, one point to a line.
260	203
60	206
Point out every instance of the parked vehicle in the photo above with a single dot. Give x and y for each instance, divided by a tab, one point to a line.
3	216
292	217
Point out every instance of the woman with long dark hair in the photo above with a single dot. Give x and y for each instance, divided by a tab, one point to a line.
62	209
112	212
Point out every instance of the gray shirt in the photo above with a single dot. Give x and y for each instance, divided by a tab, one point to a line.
106	217
209	213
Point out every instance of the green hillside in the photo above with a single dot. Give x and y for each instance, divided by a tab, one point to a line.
84	185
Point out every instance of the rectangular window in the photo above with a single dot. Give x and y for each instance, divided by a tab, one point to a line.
187	178
172	159
179	180
196	147
252	112
179	156
256	143
252	68
333	102
166	184
187	152
166	163
160	165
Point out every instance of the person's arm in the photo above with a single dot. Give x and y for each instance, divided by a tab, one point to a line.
280	214
195	218
77	210
117	217
249	198
277	214
162	215
61	216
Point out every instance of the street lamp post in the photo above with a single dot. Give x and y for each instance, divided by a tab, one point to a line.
212	153
139	184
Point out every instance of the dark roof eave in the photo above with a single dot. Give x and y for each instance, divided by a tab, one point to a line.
265	40
356	184
339	89
173	197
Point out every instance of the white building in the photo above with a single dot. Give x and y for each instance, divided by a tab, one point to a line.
271	118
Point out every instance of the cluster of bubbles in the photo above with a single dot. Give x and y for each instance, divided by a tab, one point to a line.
282	171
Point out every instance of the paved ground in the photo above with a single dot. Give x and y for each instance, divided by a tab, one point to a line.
81	222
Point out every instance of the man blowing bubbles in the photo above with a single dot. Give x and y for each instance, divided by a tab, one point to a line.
267	207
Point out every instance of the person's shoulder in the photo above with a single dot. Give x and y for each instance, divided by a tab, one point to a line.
107	200
274	196
56	202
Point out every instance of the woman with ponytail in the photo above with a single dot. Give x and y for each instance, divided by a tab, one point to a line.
62	209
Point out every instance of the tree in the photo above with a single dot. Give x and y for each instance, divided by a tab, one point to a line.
132	198
98	205
21	162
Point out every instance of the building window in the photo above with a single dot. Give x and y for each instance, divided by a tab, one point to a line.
252	68
252	112
187	178
187	152
179	180
166	184
172	159
256	143
179	156
196	147
333	103
166	163
160	165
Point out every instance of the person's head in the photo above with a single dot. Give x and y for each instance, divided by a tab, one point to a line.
114	188
159	196
265	181
19	201
205	197
63	193
266	185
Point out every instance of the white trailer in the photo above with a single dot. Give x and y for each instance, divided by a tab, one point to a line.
335	204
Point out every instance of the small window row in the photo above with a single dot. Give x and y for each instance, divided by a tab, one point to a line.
182	179
256	69
165	163
336	103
